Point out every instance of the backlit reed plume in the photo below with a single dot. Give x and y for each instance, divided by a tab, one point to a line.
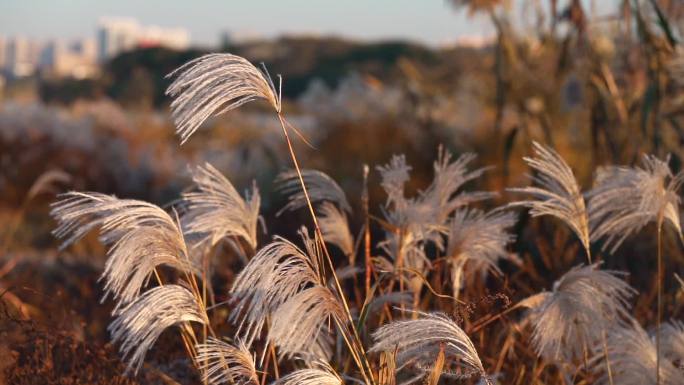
672	334
632	357
141	237
477	240
557	193
321	374
275	274
298	324
223	363
335	228
418	342
214	84
139	324
584	303
625	199
449	177
320	186
215	211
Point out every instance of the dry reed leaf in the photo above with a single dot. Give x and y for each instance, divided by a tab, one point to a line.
387	368
437	368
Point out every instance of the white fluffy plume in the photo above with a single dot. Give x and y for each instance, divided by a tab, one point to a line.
139	324
477	240
632	357
672	337
335	228
321	374
299	324
443	193
625	199
223	363
275	274
417	342
584	303
557	193
320	186
214	84
142	236
216	211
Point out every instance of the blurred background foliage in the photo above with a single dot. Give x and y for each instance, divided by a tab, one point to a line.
600	91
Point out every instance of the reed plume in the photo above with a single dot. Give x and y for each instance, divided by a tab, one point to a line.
224	363
215	211
321	374
672	334
321	188
298	325
584	303
625	199
277	272
478	240
214	84
557	193
633	360
335	229
418	342
138	325
141	237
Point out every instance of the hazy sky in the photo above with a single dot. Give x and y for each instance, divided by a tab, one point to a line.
428	21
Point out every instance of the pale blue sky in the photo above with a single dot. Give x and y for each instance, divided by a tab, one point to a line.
427	21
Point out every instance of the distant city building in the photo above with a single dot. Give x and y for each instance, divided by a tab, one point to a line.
117	35
21	56
3	53
76	59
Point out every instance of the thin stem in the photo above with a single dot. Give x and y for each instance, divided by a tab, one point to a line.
319	234
605	353
660	303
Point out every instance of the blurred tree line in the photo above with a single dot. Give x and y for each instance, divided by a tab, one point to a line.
136	79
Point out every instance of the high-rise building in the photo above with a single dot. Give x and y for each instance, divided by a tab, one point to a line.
21	59
3	53
74	59
116	35
175	38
